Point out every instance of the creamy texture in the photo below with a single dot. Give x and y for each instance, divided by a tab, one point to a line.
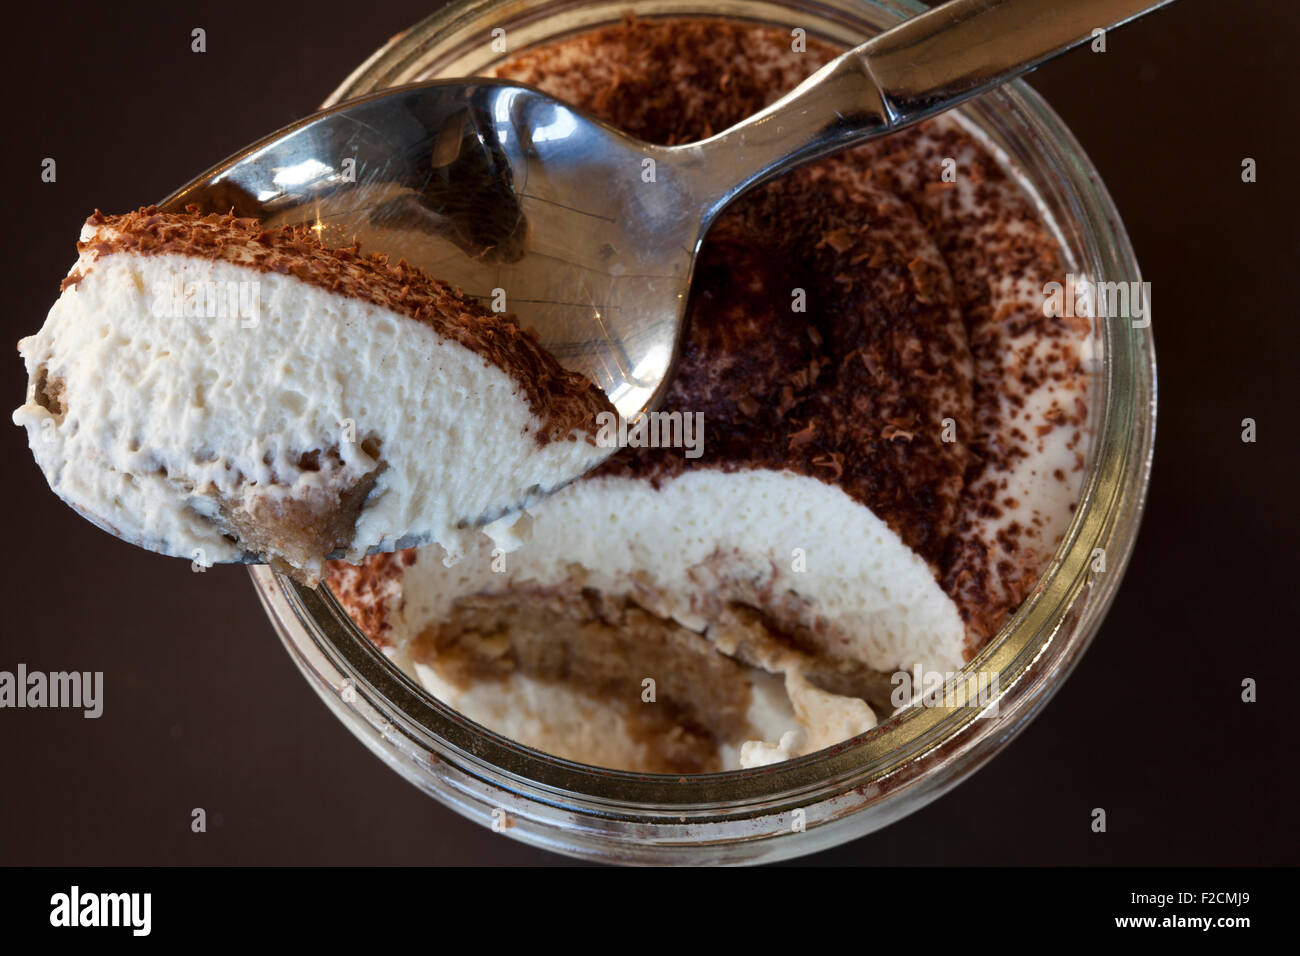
174	430
709	538
688	551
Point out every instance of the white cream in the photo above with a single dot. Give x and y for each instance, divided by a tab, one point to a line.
164	413
685	551
710	537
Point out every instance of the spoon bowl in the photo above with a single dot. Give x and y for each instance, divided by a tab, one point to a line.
523	202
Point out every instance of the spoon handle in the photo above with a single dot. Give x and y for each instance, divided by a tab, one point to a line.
906	74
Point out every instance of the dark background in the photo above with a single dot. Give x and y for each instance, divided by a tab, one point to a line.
204	709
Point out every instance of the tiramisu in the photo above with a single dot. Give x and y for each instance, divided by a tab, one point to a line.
895	435
209	389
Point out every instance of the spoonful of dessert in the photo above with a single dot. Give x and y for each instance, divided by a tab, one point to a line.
227	378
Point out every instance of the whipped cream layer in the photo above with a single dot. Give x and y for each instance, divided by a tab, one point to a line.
199	382
694	550
708	539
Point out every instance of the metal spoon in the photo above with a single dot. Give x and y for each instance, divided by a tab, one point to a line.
588	235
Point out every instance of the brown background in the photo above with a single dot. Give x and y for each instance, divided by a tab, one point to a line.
204	709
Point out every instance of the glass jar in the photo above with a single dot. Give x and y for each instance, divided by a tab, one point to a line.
825	798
